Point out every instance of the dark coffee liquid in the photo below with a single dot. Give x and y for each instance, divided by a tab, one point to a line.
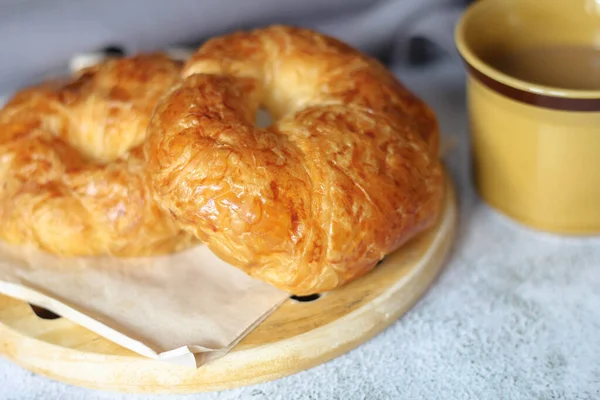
565	67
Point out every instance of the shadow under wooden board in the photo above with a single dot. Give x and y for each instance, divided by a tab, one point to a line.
296	337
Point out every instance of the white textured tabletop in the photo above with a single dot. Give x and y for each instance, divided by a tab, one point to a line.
514	315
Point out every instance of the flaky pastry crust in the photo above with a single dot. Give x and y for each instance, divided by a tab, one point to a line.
73	173
347	173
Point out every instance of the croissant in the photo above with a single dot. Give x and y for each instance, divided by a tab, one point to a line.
347	173
73	172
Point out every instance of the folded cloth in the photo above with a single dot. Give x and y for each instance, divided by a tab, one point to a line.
39	37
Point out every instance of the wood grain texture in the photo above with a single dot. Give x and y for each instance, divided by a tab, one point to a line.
296	337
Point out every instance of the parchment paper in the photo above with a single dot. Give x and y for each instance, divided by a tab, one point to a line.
187	308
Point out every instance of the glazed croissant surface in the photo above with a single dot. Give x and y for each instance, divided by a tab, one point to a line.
73	174
347	173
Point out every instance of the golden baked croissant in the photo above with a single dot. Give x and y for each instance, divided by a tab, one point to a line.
347	173
72	166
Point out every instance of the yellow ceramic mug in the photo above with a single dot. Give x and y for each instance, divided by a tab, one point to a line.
535	149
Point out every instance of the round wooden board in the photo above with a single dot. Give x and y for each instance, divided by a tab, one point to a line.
298	336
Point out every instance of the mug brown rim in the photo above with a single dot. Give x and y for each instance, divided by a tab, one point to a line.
535	99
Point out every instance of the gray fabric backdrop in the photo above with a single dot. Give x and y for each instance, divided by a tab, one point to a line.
37	37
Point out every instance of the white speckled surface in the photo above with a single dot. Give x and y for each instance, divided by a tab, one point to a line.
515	315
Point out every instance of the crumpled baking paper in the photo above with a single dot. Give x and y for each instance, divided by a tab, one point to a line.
187	308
